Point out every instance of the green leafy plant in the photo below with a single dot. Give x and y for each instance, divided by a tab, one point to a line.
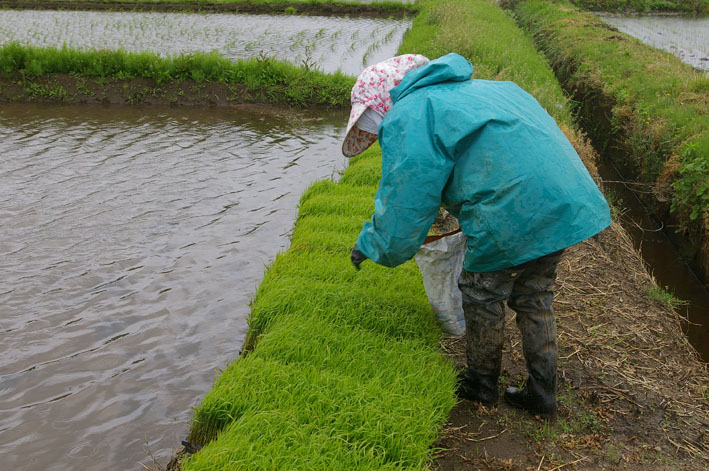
665	297
692	186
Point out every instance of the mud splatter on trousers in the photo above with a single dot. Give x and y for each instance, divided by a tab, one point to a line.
527	290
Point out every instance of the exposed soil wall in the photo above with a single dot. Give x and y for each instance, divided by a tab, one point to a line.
76	89
594	111
65	88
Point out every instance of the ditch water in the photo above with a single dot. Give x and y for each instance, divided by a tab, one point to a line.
687	38
132	241
328	43
663	259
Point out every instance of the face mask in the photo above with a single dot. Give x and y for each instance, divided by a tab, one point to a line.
369	121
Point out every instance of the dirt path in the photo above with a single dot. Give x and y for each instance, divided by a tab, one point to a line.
632	393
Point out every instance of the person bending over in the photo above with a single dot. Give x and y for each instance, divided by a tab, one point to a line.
494	158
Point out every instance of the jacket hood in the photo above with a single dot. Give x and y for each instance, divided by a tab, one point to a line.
449	68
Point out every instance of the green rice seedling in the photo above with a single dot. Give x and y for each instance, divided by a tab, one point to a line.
372	300
390	34
407	365
339	201
343	369
359	411
267	79
366	173
325	234
284	443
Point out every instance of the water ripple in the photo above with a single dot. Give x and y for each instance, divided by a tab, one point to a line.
133	240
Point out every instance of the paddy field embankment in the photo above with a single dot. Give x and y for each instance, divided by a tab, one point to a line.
344	369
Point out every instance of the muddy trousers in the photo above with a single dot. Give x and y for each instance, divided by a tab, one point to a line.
526	289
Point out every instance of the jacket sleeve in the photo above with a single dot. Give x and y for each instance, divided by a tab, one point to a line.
415	169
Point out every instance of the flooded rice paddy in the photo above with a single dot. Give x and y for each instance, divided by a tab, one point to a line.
132	241
687	38
328	43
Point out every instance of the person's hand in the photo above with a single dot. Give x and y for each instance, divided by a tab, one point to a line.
357	257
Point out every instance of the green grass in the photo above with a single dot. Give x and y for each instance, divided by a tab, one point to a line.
665	297
700	7
473	29
658	104
343	368
269	80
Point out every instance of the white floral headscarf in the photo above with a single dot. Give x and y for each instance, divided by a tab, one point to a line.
372	91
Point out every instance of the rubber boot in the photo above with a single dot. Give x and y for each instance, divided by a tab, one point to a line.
538	396
484	331
478	386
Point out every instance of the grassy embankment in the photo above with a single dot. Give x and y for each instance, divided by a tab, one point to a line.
66	75
643	106
694	7
344	370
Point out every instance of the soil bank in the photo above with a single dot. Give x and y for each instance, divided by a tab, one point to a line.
67	88
648	133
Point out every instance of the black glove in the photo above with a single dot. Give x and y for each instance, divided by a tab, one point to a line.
357	257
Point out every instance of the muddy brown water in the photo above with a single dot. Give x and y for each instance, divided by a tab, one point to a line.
327	43
687	38
131	242
663	259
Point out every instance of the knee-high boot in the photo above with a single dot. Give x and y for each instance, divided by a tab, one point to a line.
484	332
540	351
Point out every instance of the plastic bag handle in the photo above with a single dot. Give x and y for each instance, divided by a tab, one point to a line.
433	238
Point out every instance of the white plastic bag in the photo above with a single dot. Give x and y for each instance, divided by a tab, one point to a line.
440	263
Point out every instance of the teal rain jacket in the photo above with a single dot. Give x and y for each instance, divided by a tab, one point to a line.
493	157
